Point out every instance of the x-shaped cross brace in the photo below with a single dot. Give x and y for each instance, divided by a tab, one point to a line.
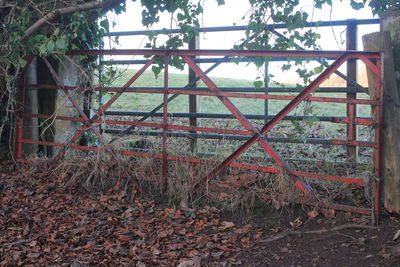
89	122
258	136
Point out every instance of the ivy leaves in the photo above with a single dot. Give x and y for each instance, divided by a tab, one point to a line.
54	44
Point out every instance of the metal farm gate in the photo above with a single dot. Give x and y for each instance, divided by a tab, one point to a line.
250	131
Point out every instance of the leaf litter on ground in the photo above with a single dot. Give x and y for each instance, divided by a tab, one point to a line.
45	223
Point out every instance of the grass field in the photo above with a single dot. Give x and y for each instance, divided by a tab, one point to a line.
208	104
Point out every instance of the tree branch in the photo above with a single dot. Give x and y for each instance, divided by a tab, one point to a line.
322	231
68	10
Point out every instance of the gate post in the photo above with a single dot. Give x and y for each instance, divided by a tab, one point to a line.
69	73
388	41
31	105
351	44
193	99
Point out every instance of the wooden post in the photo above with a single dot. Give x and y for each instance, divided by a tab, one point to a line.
193	99
390	22
381	41
266	91
351	44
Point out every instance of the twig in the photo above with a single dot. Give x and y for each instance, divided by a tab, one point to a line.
321	231
18	242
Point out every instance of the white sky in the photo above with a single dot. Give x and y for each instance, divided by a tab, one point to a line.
231	13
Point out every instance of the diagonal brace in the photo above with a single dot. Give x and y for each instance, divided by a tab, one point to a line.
371	65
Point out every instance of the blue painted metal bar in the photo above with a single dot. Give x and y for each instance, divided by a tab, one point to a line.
244	27
197	60
221	115
257	90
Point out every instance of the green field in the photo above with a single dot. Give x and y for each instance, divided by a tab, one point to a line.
209	104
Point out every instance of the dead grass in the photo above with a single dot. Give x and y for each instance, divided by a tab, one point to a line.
233	189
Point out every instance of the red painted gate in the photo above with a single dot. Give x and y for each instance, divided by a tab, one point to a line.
255	135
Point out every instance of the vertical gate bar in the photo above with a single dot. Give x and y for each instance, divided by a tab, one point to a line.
194	44
19	119
266	90
165	125
378	141
351	44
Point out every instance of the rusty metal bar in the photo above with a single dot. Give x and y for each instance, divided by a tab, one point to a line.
165	125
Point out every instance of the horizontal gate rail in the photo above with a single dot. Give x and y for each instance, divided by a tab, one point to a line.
232	52
255	96
334	119
223	89
244	27
250	134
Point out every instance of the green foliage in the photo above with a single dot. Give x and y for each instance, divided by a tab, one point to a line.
76	30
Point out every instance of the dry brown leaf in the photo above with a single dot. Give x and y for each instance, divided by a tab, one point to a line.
186	263
193	253
396	235
312	214
226	225
330	213
140	264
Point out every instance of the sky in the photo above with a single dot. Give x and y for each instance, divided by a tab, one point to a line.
333	38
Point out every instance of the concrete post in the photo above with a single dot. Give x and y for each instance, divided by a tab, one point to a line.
69	72
30	130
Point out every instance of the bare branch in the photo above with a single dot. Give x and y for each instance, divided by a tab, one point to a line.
68	10
322	231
